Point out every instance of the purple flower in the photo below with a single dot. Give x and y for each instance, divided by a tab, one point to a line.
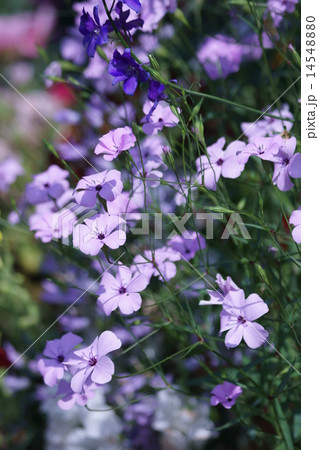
277	9
188	244
263	147
226	394
106	184
155	94
161	117
115	142
295	219
47	185
238	318
156	91
288	163
121	22
220	56
125	68
99	230
154	10
219	162
133	4
268	126
50	225
217	297
160	264
124	205
91	363
94	34
57	352
68	398
10	169
121	291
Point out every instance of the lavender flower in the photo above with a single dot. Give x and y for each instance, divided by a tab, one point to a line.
238	318
226	394
187	244
10	169
161	263
115	142
156	119
217	297
57	352
263	147
295	219
268	126
47	185
121	291
106	184
68	398
288	163
219	162
99	230
91	363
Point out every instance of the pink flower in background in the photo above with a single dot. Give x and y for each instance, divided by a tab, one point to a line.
99	230
115	142
219	162
47	185
106	184
121	291
91	363
56	352
226	394
217	296
22	33
295	219
238	318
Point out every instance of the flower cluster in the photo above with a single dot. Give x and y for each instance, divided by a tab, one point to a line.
165	153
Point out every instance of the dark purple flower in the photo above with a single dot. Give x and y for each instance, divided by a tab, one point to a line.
133	4
94	34
155	94
125	68
121	22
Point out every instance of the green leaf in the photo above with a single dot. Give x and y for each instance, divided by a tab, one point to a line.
262	273
283	425
101	53
181	17
196	109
